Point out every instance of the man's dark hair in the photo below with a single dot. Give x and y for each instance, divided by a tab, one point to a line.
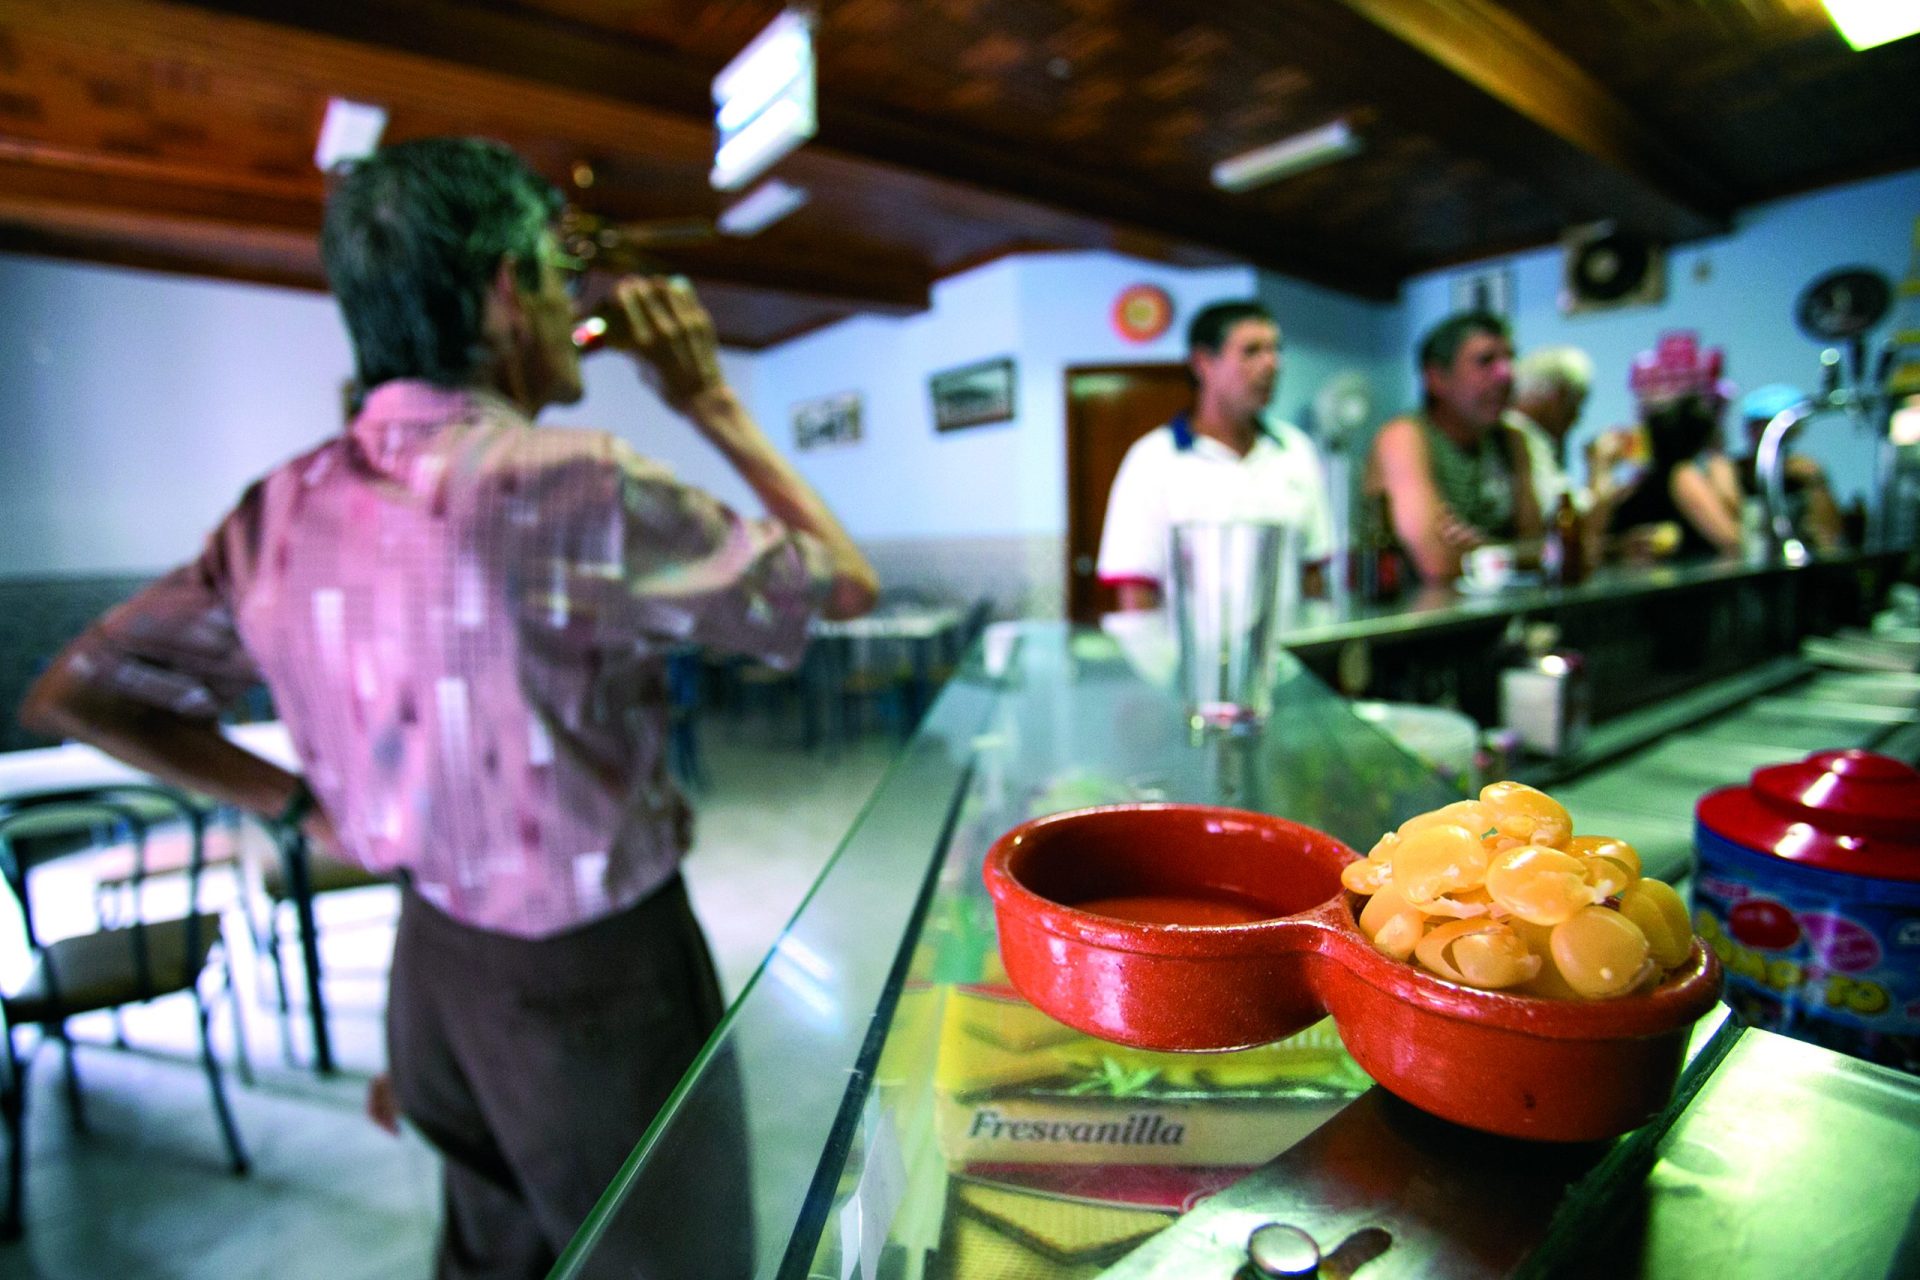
412	239
1443	342
1210	325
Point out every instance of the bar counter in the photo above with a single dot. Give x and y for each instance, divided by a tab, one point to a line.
846	1120
1647	632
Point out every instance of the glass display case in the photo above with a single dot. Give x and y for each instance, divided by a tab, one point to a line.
878	1103
811	1133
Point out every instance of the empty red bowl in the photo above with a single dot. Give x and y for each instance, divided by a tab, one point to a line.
1171	926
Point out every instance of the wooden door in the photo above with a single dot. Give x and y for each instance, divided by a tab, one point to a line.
1108	408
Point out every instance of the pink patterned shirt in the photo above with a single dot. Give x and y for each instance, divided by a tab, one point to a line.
463	621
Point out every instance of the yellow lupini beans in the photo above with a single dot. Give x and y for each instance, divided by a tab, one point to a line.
1601	953
1540	884
1662	916
1499	893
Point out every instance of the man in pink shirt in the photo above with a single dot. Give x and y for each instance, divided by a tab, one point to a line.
463	622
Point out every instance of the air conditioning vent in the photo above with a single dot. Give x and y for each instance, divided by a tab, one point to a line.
1608	269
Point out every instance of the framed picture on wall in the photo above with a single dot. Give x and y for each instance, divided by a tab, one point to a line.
973	395
828	421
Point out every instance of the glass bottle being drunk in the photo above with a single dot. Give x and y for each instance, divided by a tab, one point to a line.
593	244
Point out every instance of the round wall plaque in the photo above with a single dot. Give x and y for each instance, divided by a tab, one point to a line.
1142	312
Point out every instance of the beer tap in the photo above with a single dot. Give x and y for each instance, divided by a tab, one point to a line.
1844	304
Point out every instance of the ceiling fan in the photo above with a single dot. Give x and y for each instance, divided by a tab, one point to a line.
622	248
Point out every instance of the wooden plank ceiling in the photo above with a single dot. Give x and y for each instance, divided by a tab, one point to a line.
180	136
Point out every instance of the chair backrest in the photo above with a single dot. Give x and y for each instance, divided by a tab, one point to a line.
44	827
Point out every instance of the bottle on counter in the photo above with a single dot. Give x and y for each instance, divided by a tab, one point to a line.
1563	556
1376	560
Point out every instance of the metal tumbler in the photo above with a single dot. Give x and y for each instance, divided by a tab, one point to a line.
1234	586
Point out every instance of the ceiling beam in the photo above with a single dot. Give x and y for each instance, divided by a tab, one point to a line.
93	183
69	195
1502	57
590	62
395	74
67	201
183	243
877	286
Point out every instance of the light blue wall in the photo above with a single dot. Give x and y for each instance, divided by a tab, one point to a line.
1066	305
1331	333
134	408
1738	291
136	405
1052	312
881	486
907	480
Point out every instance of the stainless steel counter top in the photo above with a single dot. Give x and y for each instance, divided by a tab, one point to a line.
1430	608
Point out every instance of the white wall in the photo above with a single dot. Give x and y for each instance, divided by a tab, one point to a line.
135	406
1066	305
1329	333
1737	290
617	400
905	479
902	478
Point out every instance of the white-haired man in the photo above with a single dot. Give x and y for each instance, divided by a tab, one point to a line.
1549	390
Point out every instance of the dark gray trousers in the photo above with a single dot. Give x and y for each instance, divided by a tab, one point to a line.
536	1065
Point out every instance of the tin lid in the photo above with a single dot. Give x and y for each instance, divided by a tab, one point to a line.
1848	811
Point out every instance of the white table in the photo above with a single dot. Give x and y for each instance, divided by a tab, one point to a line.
913	623
921	628
74	764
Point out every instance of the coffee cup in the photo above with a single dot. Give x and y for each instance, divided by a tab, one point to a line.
1488	568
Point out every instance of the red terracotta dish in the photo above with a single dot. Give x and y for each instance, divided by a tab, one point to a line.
1171	926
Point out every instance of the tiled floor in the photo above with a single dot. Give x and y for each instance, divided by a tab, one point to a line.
146	1192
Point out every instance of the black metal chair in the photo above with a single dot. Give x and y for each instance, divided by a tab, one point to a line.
263	851
134	960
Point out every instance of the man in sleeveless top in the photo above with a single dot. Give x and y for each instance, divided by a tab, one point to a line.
1454	475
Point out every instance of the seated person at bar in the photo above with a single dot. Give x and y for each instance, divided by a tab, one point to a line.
1658	486
1454	475
1810	506
463	620
1229	459
1550	388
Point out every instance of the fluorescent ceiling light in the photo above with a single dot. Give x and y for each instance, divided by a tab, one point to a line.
763	101
762	71
752	151
769	202
1866	23
1288	156
350	131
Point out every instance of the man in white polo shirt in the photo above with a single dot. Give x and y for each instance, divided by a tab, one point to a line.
1226	460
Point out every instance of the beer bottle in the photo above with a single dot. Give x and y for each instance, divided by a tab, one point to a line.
1562	556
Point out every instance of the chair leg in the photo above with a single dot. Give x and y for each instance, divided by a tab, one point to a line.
13	1103
266	940
242	1060
228	1130
75	1103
